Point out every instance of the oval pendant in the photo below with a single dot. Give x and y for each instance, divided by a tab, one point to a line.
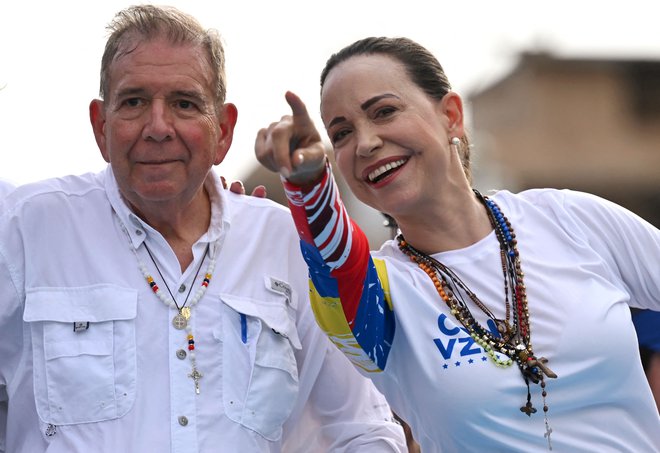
179	321
185	311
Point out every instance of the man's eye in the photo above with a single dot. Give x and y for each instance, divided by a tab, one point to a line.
185	105
133	102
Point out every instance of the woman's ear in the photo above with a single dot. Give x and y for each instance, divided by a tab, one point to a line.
452	108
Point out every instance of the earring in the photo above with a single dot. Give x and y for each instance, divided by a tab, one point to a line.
455	141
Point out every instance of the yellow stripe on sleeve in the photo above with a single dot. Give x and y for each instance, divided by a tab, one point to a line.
330	317
381	269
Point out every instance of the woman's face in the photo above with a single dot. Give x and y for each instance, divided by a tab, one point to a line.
391	140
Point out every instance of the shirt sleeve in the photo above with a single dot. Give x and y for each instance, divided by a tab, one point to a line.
629	244
11	324
340	410
348	289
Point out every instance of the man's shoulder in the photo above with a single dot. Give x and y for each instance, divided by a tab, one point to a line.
261	219
255	206
55	190
6	187
69	184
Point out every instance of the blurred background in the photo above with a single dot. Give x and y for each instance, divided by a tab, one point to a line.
563	94
560	94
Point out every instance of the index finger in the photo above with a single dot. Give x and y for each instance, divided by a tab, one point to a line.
298	108
304	130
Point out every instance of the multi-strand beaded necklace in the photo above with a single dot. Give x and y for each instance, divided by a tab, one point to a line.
513	337
181	319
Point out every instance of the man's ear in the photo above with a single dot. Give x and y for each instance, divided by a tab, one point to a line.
97	118
227	121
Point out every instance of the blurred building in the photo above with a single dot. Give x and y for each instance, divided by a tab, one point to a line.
584	124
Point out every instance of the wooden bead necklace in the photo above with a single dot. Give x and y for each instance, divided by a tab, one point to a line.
512	339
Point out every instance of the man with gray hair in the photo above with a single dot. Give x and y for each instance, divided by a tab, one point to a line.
146	308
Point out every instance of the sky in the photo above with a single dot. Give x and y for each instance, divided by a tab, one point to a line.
50	55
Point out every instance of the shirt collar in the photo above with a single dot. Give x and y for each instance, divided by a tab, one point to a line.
138	229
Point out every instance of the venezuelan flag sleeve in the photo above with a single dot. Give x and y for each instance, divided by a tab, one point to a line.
348	289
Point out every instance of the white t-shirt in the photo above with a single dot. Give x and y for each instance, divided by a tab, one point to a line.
121	383
585	262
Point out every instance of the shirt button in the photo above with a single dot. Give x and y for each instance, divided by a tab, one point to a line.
183	420
138	232
182	288
181	354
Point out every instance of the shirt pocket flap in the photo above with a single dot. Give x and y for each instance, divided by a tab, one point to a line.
273	310
96	303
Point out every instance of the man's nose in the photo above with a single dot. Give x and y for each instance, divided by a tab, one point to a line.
159	126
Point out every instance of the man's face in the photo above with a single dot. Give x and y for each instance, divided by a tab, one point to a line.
159	126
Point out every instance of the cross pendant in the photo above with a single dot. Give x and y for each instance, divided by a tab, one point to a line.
541	363
548	431
528	409
195	376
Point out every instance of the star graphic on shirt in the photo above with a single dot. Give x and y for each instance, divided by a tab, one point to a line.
458	363
484	358
445	366
471	361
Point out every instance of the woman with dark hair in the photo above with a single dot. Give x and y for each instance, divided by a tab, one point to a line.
496	322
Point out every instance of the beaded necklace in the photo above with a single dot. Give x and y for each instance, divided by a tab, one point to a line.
513	337
182	318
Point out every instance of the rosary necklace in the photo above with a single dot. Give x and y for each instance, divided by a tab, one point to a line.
513	337
181	320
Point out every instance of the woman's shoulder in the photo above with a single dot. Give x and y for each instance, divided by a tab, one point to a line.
573	211
560	201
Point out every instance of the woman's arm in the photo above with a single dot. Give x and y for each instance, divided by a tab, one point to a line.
348	289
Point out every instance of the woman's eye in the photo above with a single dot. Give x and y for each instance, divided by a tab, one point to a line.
339	135
385	111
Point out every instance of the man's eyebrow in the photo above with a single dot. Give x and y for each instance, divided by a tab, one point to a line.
130	91
187	94
193	94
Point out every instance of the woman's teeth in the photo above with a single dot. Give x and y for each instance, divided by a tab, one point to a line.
375	175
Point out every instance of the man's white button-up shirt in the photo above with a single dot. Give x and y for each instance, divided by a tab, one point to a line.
90	359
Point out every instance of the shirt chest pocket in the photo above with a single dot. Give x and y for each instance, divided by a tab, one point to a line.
259	371
84	361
